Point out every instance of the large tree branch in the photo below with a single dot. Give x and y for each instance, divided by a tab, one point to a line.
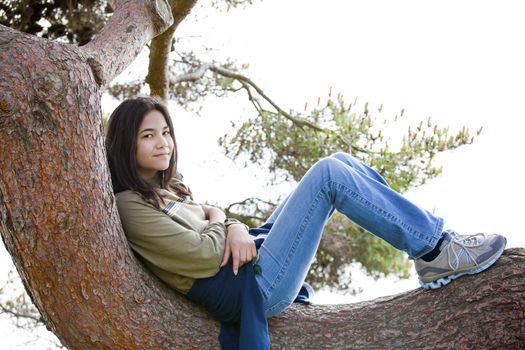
160	48
132	25
485	311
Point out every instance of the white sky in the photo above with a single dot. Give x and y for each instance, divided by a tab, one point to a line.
460	62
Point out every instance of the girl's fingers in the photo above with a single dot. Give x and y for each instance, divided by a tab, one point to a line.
226	255
243	254
235	257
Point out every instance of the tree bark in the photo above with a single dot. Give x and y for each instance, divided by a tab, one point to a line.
59	222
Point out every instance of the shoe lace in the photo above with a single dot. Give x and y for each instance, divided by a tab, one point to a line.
462	243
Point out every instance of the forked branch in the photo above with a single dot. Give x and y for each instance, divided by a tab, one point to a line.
132	25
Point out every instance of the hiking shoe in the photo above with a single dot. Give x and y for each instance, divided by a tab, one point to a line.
459	255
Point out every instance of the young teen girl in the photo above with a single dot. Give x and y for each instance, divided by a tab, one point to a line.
201	253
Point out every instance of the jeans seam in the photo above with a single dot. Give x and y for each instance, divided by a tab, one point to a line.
265	292
389	216
293	248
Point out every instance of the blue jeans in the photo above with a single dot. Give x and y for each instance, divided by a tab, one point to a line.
337	182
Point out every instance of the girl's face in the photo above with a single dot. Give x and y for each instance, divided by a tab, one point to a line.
154	145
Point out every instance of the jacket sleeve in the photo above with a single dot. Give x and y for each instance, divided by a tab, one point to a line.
167	244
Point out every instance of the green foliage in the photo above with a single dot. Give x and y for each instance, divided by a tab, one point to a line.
288	150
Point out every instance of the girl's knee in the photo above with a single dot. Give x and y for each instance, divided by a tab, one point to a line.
342	156
326	163
326	169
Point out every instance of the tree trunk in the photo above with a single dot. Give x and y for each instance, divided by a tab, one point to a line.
59	222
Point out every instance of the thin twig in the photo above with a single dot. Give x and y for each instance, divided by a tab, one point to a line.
250	199
20	315
253	100
241	78
192	76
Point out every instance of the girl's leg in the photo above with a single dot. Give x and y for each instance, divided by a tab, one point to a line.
337	182
348	160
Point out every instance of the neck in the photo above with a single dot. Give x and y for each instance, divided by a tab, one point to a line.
153	178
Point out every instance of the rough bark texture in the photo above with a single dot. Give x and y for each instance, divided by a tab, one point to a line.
59	222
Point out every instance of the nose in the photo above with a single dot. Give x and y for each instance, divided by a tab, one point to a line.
162	143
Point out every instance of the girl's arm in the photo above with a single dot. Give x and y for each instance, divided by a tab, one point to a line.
239	243
213	214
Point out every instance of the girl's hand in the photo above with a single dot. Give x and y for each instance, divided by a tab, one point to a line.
240	245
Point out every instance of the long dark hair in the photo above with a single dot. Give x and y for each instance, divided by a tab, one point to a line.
121	149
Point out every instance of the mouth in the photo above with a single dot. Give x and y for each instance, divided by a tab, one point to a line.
161	155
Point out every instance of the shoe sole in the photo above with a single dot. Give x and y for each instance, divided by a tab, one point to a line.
443	281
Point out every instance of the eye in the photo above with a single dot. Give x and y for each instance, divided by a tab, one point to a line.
166	132
147	136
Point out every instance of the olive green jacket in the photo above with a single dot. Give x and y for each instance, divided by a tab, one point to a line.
178	248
